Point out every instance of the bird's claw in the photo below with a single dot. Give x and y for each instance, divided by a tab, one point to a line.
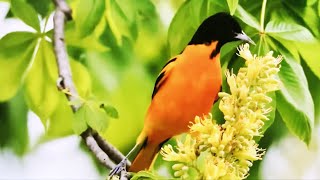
119	168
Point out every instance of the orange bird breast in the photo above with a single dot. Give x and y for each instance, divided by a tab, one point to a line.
188	89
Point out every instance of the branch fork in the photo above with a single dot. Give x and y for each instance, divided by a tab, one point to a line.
107	154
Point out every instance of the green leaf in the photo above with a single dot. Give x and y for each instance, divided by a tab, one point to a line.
61	120
41	93
319	8
314	87
26	13
310	54
89	13
232	5
13	129
90	42
176	38
110	110
80	120
43	7
95	117
15	55
247	18
294	101
289	31
143	175
121	19
81	78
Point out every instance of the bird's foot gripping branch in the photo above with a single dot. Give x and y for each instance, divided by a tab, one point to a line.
214	151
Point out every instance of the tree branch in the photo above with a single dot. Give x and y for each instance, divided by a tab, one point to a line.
94	147
113	153
65	82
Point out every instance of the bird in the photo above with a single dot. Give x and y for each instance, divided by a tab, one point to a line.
187	86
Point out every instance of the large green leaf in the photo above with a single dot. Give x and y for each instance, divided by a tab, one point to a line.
13	120
43	7
15	55
309	52
247	18
232	5
90	42
294	101
60	120
314	86
289	31
41	93
178	39
26	13
193	12
319	8
121	17
81	78
89	13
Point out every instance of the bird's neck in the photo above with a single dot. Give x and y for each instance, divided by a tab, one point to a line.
211	50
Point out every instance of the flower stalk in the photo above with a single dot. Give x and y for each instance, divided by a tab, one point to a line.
227	151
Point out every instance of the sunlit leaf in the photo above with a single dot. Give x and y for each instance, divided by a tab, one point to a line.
145	175
314	87
61	120
110	110
26	13
89	13
232	5
121	19
294	101
307	14
80	120
96	117
41	93
247	18
15	55
289	31
90	42
319	8
310	54
81	78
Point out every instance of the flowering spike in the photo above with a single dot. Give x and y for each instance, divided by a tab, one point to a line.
230	148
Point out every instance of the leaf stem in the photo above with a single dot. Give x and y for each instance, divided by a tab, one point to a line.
263	11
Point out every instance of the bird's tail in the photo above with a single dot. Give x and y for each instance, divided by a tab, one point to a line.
145	156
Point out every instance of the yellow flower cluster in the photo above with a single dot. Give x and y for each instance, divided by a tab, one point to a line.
226	151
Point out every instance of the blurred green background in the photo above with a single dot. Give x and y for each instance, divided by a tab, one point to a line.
116	49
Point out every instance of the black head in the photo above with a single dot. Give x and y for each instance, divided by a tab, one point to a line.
221	27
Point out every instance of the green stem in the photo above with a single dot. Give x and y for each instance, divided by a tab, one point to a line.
263	12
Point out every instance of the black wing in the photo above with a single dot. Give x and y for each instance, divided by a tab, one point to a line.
163	75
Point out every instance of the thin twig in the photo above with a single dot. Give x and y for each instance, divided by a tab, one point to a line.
65	82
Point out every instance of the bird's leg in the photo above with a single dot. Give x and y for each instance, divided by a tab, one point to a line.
121	167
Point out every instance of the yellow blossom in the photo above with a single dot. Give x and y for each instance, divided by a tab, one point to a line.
229	149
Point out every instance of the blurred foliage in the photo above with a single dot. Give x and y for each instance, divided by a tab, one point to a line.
116	49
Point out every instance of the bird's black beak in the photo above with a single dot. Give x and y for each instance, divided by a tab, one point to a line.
244	37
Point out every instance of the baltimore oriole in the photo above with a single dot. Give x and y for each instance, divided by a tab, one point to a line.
187	86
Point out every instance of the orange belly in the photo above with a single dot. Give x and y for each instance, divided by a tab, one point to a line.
189	91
